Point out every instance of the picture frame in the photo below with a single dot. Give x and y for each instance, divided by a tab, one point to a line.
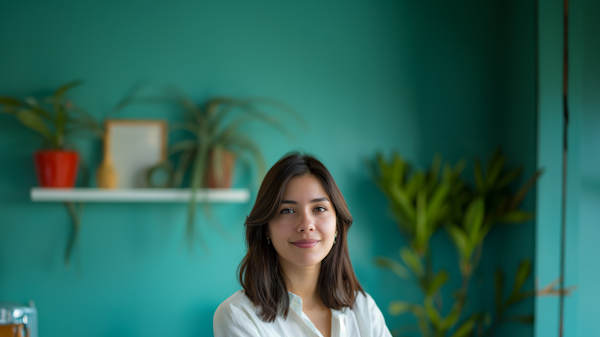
135	146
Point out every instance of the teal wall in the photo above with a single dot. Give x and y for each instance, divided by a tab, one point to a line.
550	142
421	77
583	167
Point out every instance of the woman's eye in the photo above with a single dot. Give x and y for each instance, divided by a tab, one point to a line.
320	209
286	210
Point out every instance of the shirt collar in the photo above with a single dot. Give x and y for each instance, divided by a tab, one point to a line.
296	306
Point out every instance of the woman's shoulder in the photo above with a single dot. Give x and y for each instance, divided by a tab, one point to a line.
368	315
236	316
238	300
363	300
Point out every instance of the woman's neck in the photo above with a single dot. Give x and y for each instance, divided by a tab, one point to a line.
302	281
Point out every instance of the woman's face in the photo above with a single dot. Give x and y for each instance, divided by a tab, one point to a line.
304	228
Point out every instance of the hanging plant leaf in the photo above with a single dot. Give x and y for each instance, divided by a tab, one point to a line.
393	265
516	201
433	314
465	329
509	177
460	239
494	169
412	260
439	280
474	219
422	232
522	275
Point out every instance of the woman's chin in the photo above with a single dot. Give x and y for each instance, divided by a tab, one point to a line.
306	261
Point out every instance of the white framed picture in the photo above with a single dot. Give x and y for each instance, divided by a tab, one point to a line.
134	146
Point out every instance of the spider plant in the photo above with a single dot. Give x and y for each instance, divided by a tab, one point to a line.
214	128
54	117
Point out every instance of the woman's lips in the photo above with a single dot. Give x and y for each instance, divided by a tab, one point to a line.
308	243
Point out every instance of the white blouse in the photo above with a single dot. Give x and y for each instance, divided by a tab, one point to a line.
237	316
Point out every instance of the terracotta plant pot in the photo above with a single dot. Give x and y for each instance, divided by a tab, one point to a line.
227	163
56	169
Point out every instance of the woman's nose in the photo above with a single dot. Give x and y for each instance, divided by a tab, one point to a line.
306	223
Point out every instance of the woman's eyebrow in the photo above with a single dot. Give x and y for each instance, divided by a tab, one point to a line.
312	201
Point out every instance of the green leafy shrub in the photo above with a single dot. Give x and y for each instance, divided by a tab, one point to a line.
425	202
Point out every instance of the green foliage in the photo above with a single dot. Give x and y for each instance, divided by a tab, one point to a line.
212	132
420	204
426	201
516	295
393	265
54	118
75	215
213	128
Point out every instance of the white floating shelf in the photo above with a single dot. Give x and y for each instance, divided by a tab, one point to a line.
239	195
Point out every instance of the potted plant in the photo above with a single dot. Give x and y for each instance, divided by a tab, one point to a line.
55	119
214	142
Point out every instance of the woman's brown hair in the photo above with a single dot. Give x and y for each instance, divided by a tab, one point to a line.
259	272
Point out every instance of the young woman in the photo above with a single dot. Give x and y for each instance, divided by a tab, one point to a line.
297	277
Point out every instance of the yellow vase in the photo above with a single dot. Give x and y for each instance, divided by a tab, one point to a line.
106	176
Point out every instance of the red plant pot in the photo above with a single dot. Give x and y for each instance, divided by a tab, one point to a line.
56	169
